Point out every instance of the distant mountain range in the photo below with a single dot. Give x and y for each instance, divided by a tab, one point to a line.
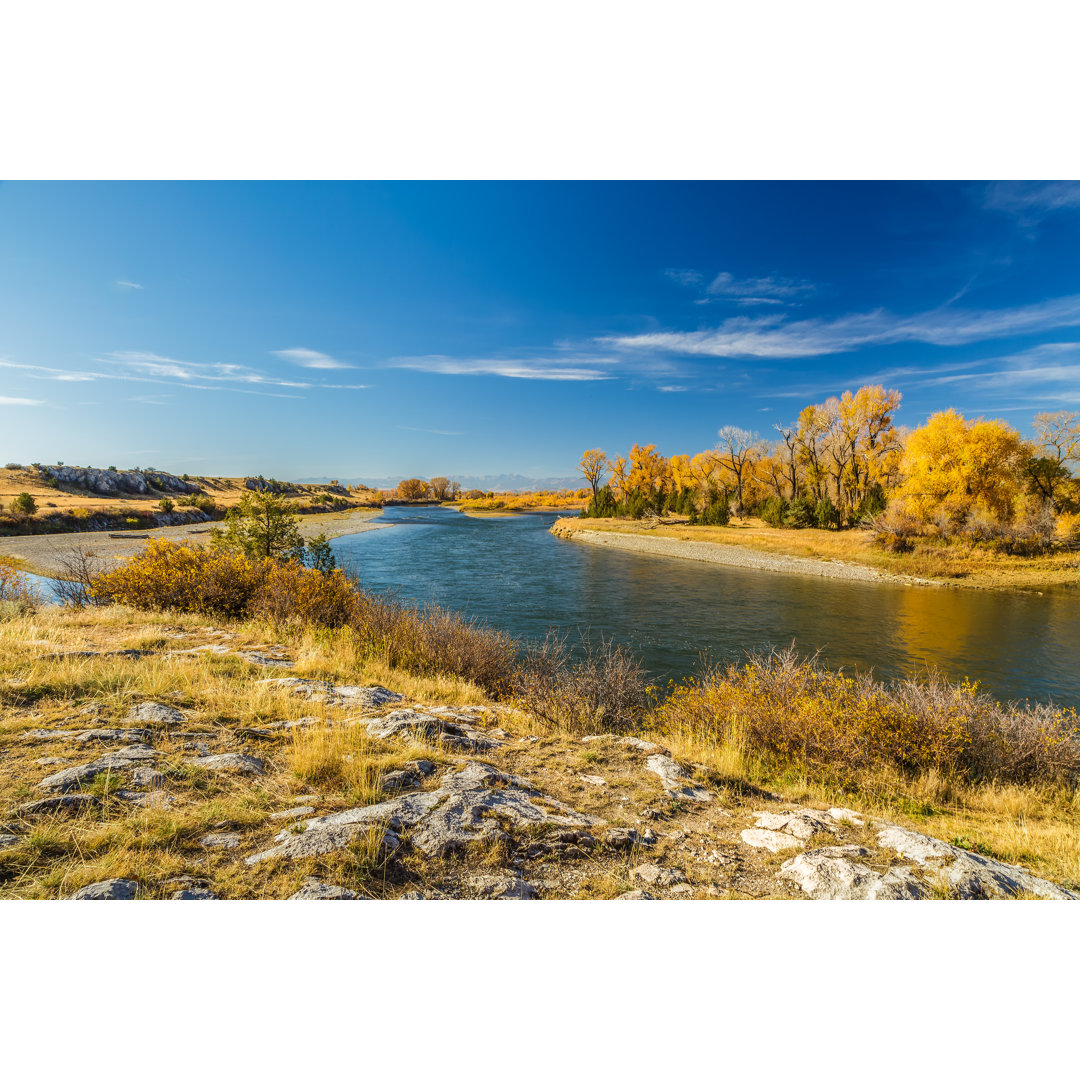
502	482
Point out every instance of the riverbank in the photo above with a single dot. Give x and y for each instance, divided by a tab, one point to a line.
849	555
45	554
155	756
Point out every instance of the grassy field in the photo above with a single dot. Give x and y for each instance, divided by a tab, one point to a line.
970	566
47	682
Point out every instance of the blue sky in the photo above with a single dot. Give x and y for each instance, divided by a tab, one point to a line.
381	329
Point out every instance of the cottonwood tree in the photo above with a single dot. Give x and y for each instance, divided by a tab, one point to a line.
440	488
412	490
736	450
595	467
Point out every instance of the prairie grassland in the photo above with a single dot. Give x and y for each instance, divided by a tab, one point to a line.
1028	817
971	566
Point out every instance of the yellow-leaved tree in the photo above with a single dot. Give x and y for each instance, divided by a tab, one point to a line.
954	466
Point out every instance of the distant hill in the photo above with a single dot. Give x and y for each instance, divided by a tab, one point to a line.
502	482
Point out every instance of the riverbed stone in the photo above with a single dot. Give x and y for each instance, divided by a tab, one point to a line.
241	763
675	779
112	889
154	712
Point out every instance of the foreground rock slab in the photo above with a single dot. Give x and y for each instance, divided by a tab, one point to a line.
371	697
467	807
78	775
314	889
242	763
831	873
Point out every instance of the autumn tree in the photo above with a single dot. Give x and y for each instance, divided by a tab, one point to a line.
618	477
1057	451
953	466
650	472
736	449
412	490
440	488
595	467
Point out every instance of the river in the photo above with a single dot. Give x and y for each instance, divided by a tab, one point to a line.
512	573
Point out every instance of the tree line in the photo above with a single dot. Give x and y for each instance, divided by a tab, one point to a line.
844	461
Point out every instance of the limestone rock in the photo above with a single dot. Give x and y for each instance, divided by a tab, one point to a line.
966	875
620	839
77	775
314	889
427	725
113	889
502	887
243	763
661	877
194	894
154	712
801	823
371	697
52	761
829	873
411	776
292	812
681	892
145	777
465	808
641	744
264	660
636	894
54	804
769	839
675	779
849	817
221	840
136	735
7	840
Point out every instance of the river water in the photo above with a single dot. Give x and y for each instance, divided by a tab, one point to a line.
513	574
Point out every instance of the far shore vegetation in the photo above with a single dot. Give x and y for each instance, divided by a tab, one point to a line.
953	499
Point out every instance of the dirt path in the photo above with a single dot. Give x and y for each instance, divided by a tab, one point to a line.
45	554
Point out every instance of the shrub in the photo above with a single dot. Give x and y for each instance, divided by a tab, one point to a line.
826	515
773	510
799	513
17	593
795	714
166	504
716	513
606	690
23	505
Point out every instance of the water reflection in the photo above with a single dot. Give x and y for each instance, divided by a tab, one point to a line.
512	573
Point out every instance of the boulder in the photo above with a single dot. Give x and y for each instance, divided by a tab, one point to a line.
194	894
55	804
801	823
413	723
113	889
620	839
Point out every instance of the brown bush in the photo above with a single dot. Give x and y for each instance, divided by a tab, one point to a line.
797	714
606	690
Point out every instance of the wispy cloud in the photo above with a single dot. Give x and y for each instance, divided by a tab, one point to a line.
1031	201
758	290
127	285
685	277
672	389
309	358
773	337
20	401
547	369
147	367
